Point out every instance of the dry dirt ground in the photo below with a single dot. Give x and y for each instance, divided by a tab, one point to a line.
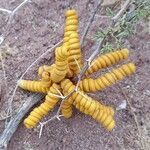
38	26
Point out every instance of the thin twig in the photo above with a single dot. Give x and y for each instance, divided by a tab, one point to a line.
14	122
56	116
33	63
59	109
60	94
1	39
77	64
122	10
11	15
5	10
3	36
90	21
19	6
134	116
4	72
42	124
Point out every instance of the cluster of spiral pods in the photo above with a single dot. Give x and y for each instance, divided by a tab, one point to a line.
89	106
58	78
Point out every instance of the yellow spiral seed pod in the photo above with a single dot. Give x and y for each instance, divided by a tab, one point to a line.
35	86
61	64
90	105
87	105
108	79
39	112
100	116
107	60
70	25
75	58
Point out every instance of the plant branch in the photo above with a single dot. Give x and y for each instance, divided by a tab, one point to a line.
122	10
134	116
3	36
90	21
6	10
14	122
4	73
42	124
11	15
32	64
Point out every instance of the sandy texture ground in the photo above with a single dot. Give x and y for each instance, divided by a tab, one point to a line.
38	26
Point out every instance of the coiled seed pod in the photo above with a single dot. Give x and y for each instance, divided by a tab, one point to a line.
39	112
75	58
108	79
107	60
100	116
71	24
87	105
35	86
61	64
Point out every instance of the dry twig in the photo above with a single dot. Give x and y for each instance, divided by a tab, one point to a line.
3	36
14	122
4	72
122	10
90	21
134	116
11	15
5	10
32	64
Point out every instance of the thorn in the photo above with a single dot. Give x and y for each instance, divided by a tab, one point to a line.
59	93
77	64
58	118
76	89
6	10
